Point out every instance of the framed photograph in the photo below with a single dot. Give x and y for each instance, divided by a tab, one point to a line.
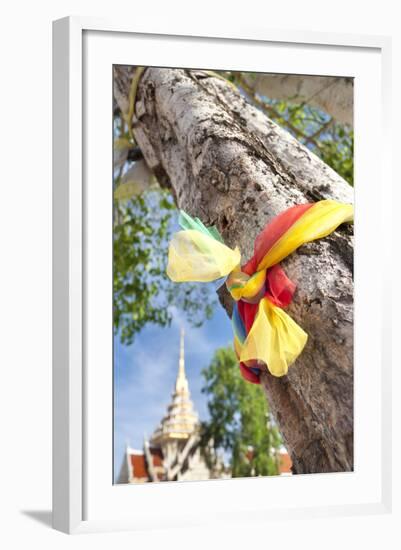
220	337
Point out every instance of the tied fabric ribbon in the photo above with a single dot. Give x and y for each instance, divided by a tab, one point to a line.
264	335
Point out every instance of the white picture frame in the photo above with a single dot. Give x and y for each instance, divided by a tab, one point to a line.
82	498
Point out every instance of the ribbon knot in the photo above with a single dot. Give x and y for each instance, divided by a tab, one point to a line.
264	335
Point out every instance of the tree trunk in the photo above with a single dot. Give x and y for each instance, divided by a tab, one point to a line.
228	164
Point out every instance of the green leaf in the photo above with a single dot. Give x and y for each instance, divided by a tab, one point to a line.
142	291
239	418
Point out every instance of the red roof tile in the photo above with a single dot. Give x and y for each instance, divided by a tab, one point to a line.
285	463
140	467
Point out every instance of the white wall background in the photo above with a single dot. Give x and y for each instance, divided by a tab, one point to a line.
25	217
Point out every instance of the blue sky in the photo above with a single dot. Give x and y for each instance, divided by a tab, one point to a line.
145	372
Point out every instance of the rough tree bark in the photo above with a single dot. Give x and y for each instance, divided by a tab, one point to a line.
331	94
228	164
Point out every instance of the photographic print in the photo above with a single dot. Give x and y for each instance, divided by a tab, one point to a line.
232	274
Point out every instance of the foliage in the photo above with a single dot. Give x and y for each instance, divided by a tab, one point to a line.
239	417
329	140
337	150
142	292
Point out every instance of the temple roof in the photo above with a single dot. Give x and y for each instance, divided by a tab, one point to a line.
139	466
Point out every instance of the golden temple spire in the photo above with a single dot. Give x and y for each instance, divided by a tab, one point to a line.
181	384
181	420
